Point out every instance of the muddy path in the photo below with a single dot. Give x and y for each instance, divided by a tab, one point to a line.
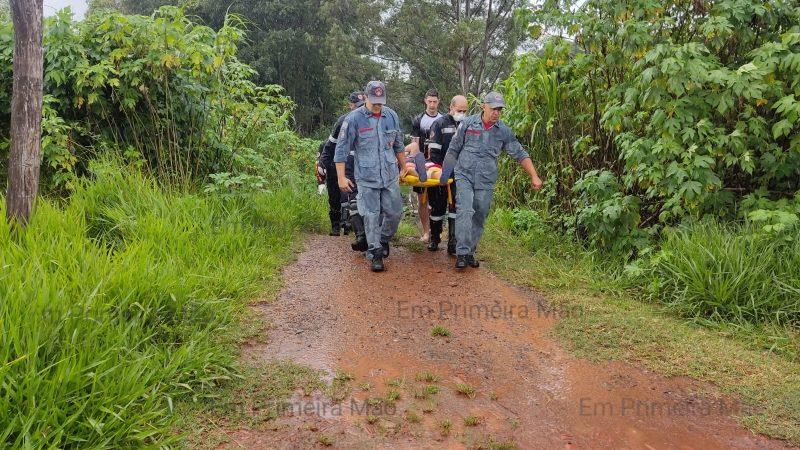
528	391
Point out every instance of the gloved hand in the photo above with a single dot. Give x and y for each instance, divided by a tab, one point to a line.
448	166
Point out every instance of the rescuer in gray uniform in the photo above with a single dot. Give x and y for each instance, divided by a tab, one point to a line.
473	156
373	133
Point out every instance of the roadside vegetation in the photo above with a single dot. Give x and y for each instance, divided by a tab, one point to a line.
670	218
167	206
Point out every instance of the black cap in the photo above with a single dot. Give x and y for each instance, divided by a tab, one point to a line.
357	97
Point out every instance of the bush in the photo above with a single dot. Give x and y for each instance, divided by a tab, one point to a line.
163	92
726	273
118	304
689	107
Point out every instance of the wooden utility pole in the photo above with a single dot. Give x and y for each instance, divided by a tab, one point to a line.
26	110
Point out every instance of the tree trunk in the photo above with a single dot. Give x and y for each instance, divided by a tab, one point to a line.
26	110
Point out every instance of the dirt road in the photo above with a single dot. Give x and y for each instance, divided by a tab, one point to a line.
528	392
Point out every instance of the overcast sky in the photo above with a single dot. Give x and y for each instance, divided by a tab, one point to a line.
78	7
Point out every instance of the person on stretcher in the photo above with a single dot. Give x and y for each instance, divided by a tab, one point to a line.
418	168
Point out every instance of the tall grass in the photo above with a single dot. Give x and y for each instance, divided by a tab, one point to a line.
731	274
113	304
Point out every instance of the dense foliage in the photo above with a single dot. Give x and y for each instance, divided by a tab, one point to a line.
658	112
125	296
165	93
122	302
320	51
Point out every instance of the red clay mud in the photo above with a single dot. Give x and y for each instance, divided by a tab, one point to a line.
529	392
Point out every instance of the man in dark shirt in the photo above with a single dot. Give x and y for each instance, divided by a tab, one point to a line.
442	131
420	129
326	160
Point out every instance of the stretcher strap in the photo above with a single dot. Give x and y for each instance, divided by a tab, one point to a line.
449	196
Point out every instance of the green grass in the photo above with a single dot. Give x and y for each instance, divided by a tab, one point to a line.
260	394
392	395
340	387
428	377
324	440
471	421
612	321
729	274
126	300
465	389
412	416
446	426
440	331
396	382
429	406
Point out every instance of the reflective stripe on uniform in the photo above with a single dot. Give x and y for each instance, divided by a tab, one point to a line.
437	218
435	145
332	139
448	130
451	215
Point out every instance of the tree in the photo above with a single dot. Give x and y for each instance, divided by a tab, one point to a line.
5	10
103	5
455	46
285	45
26	110
465	43
144	7
350	64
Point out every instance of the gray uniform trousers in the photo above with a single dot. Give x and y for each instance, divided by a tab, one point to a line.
382	209
473	208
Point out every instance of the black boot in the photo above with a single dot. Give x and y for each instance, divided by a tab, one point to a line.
472	261
385	246
451	236
336	225
360	244
436	235
461	261
345	218
377	264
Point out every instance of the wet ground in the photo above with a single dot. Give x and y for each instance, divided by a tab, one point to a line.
498	378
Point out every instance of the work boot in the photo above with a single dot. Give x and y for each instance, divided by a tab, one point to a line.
345	218
461	262
357	223
346	225
385	246
377	264
336	222
451	236
436	235
472	261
